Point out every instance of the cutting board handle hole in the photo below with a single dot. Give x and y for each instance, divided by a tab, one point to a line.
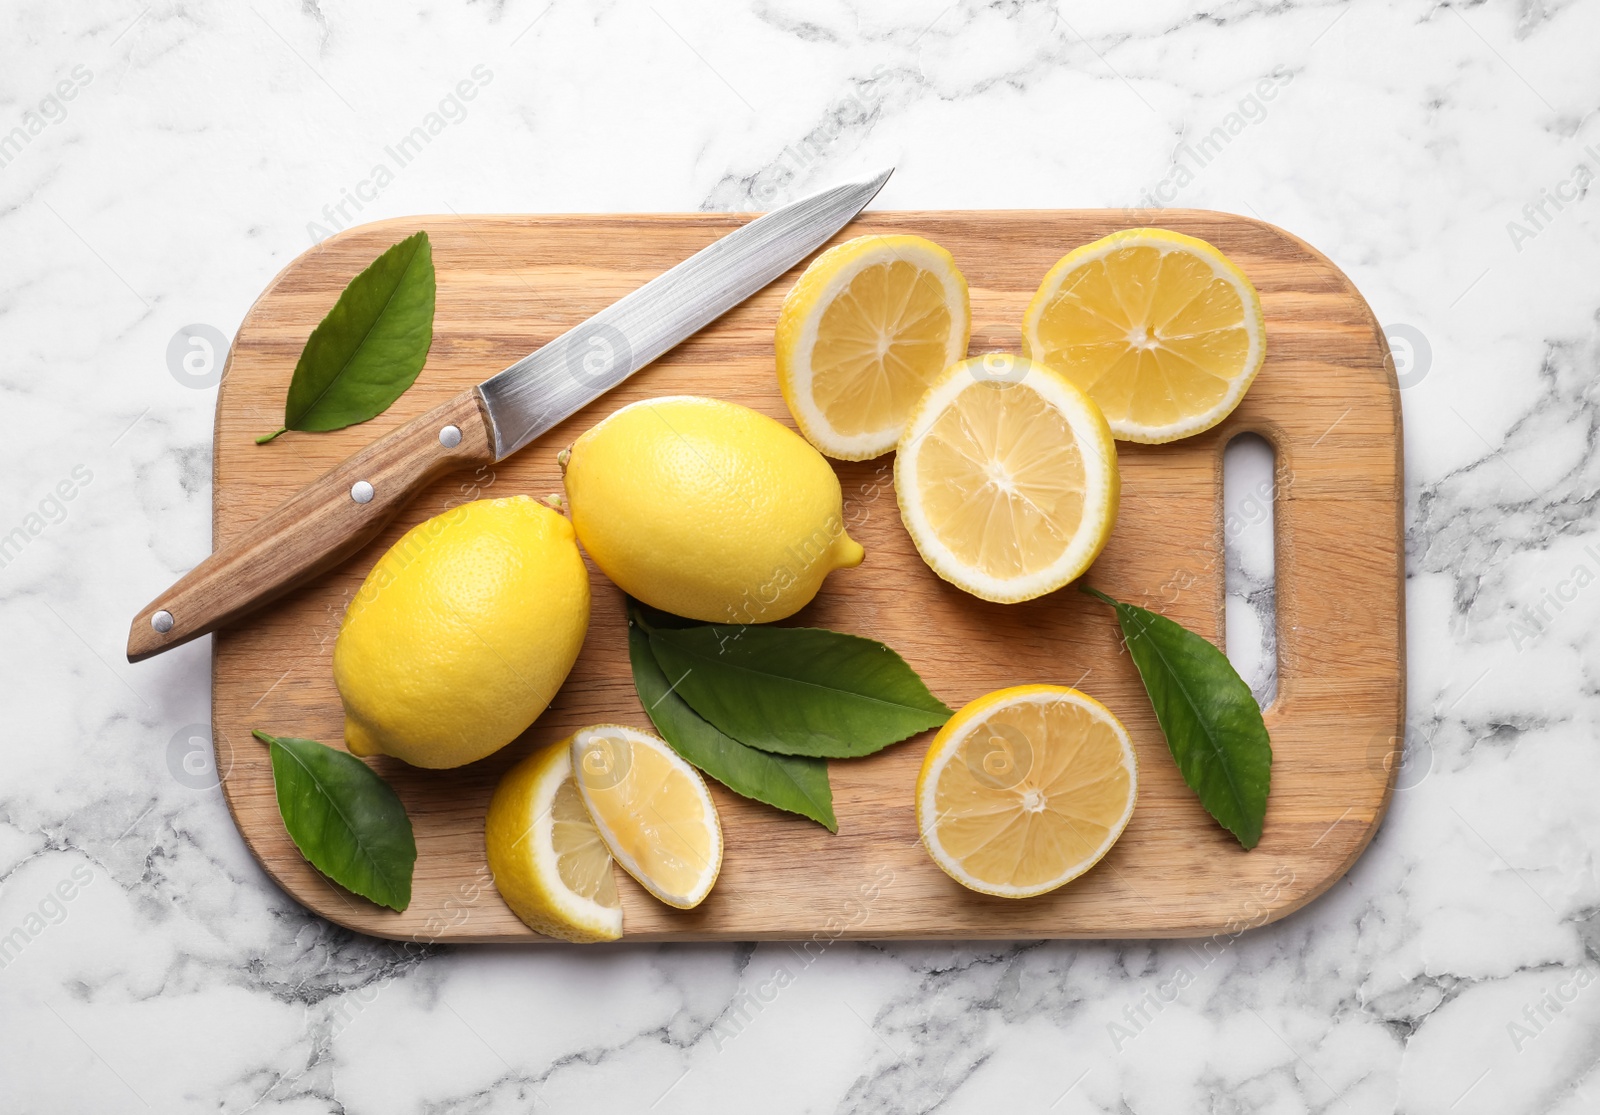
1250	617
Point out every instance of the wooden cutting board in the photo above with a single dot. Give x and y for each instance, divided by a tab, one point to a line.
1326	399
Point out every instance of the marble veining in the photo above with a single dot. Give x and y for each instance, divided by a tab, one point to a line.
160	163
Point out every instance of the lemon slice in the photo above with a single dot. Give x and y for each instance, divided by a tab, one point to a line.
652	809
1026	789
549	863
860	336
1159	328
1007	478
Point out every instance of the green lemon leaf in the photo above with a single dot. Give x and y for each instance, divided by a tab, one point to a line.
370	347
791	783
1208	714
345	820
797	690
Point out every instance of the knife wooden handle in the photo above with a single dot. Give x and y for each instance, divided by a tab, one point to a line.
316	528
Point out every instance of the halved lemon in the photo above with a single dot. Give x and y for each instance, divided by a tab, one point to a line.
1161	329
549	862
1026	789
652	809
1007	478
860	336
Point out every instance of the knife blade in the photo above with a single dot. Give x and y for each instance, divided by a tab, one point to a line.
333	517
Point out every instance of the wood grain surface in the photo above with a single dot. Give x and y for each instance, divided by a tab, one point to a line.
1326	399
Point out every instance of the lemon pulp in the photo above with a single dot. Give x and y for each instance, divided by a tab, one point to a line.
582	860
875	345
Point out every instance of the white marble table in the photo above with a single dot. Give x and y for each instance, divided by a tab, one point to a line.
172	158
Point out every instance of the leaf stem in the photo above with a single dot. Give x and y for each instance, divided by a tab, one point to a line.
636	616
264	438
1097	594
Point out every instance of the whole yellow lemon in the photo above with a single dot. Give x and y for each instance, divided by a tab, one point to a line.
462	633
708	510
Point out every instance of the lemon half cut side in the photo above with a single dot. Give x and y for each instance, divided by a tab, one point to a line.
862	333
1162	330
1025	789
1007	478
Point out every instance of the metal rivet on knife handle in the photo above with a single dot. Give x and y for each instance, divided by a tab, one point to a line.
162	621
450	437
361	491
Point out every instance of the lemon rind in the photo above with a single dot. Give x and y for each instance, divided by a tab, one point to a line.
816	289
948	742
1166	241
708	877
1101	476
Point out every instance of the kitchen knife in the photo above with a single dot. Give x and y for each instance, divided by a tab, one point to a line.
332	518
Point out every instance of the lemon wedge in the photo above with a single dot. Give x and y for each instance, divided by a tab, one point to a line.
1026	789
652	809
1007	478
549	862
864	330
1161	329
